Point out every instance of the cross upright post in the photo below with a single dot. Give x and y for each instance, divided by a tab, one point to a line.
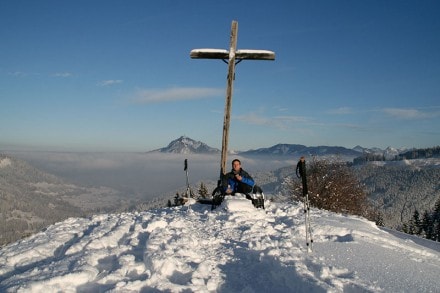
228	103
233	56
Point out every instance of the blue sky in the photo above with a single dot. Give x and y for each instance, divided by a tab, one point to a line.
117	76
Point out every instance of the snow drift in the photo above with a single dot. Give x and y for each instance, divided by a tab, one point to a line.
235	248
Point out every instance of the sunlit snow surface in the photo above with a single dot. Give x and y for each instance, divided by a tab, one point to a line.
235	248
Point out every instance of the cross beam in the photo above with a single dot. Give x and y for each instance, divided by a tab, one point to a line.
233	56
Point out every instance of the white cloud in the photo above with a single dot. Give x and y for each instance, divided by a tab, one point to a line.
282	122
109	82
255	119
296	119
409	114
62	74
176	94
340	111
18	74
280	109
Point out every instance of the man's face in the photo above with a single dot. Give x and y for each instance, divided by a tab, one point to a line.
236	166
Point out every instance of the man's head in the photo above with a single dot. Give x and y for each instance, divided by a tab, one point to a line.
236	165
302	159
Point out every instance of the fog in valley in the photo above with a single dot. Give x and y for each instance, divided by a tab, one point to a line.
91	183
142	174
38	189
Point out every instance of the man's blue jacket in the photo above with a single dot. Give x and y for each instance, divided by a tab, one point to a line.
243	186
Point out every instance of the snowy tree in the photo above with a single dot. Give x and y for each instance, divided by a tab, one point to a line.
427	225
378	218
416	223
436	221
203	191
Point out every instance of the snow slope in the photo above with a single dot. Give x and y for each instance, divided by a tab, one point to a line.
235	248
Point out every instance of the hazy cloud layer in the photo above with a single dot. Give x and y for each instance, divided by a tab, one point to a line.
175	94
147	174
341	111
281	122
410	114
62	74
109	82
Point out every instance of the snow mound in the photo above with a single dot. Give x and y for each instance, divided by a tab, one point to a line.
237	203
234	248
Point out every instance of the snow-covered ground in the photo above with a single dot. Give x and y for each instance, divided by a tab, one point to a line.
235	248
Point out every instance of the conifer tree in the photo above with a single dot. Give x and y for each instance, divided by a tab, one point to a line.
427	225
416	223
379	219
203	191
436	221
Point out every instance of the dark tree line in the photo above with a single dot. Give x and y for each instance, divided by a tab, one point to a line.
433	152
370	158
426	225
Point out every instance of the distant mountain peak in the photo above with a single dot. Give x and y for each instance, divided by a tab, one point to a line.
186	145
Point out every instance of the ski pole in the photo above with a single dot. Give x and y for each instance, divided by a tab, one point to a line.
308	224
188	190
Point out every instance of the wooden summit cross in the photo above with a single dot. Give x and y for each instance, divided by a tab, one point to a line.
233	57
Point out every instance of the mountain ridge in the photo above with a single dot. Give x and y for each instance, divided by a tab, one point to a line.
186	145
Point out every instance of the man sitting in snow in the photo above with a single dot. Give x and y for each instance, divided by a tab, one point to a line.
238	180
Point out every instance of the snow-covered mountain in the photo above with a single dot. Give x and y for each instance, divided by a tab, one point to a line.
363	150
389	153
235	248
297	150
278	149
186	145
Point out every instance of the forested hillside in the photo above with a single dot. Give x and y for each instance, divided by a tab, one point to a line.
397	190
30	199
